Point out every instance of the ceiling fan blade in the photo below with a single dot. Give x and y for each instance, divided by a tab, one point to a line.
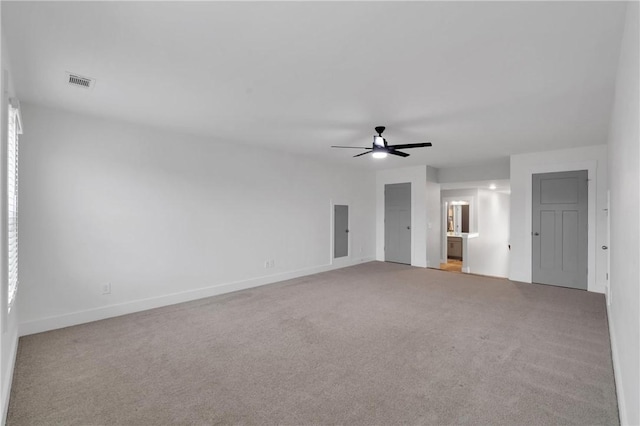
398	153
356	147
366	152
410	145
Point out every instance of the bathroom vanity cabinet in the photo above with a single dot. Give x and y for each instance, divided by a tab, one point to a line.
454	247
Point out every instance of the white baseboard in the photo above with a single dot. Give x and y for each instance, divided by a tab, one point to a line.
6	388
622	409
81	317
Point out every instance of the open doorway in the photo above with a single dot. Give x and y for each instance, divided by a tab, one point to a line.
457	224
475	227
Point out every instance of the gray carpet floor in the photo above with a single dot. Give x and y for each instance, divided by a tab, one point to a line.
374	344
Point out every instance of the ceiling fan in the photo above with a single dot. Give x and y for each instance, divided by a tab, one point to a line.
380	149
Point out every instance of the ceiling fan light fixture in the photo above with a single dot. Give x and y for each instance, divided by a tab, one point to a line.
380	149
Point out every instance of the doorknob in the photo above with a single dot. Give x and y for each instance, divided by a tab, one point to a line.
346	230
408	227
604	247
536	233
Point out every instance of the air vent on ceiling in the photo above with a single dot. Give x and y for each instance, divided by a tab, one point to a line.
79	81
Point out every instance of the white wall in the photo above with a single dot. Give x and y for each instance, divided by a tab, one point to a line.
523	166
492	170
417	176
433	225
624	179
8	322
166	217
489	252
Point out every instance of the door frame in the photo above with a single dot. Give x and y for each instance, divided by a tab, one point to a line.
591	166
345	259
607	244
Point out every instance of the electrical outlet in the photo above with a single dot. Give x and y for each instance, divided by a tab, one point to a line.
106	288
266	264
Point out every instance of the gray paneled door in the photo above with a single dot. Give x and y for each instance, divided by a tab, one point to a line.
397	223
559	234
340	231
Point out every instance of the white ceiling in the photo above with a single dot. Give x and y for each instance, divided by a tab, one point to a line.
478	80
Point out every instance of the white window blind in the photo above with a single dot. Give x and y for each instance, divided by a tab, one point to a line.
14	129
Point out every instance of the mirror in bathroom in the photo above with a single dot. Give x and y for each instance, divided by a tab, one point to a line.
458	216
